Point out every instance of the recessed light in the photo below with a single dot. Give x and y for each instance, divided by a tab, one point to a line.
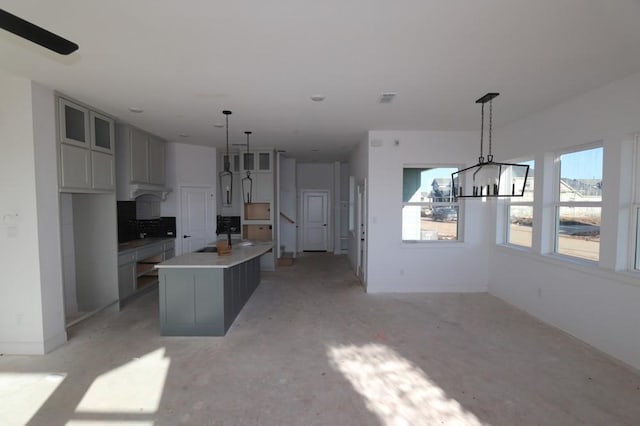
218	125
137	110
318	98
184	135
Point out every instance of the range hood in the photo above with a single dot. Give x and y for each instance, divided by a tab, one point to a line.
139	189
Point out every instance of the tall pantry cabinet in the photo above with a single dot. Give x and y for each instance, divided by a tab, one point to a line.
86	182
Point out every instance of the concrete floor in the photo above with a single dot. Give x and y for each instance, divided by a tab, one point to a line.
311	348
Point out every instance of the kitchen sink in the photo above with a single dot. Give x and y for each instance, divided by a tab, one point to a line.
208	249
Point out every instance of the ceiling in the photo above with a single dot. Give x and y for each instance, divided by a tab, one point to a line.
183	62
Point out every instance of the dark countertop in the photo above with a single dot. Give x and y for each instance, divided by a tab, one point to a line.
136	244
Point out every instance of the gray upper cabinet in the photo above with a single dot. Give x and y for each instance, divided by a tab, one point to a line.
86	142
102	133
256	161
140	163
73	123
234	162
264	161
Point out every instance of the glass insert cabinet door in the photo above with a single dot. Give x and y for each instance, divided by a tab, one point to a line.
264	161
248	162
102	133
74	123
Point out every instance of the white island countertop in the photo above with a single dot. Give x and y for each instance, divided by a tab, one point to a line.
239	254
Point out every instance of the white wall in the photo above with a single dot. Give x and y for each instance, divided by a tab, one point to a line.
359	169
48	207
31	318
343	232
317	176
594	303
189	165
394	266
68	255
288	205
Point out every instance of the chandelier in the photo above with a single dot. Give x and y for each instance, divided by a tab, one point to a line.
247	182
489	178
226	176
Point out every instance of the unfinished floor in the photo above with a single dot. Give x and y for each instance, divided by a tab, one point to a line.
311	348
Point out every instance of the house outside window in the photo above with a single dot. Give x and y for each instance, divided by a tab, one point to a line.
579	204
519	223
430	212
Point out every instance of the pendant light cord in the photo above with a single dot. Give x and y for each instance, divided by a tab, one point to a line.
490	156
481	158
248	133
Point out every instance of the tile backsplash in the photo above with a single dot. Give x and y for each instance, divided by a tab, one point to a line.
130	228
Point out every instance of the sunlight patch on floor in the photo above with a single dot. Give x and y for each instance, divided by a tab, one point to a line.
134	389
398	392
22	395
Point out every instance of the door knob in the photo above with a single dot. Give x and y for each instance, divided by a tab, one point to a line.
186	236
324	224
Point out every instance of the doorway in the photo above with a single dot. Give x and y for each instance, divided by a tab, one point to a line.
315	220
196	211
361	232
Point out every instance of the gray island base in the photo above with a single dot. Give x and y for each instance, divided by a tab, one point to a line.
201	294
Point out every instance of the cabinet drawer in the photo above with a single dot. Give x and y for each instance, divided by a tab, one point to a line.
149	251
123	259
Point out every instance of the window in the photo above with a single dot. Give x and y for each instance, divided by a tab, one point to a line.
520	212
579	204
429	210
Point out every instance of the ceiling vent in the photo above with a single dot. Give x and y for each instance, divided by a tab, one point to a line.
387	97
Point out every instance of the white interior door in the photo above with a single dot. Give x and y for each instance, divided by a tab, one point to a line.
196	217
315	205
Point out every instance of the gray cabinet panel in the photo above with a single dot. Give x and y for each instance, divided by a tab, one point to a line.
75	167
126	280
204	302
181	296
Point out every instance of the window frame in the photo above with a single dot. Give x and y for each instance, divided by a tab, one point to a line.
509	202
634	234
557	204
455	202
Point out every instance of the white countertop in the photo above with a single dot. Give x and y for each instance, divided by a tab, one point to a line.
138	244
239	254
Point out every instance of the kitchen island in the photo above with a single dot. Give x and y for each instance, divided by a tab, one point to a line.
202	293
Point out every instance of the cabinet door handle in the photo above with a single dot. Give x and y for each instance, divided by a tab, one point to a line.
186	236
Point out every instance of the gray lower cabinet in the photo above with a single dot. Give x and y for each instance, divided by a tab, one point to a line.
205	301
126	280
136	267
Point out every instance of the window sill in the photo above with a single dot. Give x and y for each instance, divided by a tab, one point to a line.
419	244
631	278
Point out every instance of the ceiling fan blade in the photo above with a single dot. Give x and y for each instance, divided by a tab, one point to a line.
36	34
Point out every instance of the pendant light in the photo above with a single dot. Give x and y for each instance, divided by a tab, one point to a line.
226	176
489	178
247	182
